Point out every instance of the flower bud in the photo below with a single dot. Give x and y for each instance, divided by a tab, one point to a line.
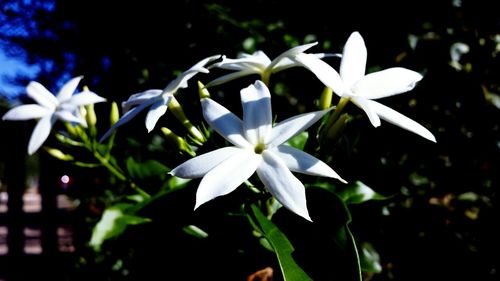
176	109
325	100
59	154
177	142
203	91
114	115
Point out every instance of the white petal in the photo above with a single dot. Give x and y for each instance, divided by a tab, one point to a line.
290	54
70	117
257	116
139	98
27	111
323	71
386	83
365	105
400	120
301	162
181	80
282	184
156	111
231	76
291	127
200	165
127	117
227	176
258	62
84	98
68	89
41	95
353	63
224	122
40	133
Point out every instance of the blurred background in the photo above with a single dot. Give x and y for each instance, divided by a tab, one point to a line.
440	221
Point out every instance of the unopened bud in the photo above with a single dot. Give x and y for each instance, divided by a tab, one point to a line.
90	117
176	109
177	142
59	154
114	115
325	100
203	91
337	128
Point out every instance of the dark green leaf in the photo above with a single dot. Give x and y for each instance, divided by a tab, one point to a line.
145	169
282	247
370	259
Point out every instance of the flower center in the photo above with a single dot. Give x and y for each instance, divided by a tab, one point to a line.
259	148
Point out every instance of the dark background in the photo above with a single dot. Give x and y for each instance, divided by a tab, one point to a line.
440	223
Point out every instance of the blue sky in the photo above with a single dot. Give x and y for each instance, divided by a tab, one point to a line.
9	67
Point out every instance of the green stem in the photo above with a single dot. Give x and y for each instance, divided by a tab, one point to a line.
336	113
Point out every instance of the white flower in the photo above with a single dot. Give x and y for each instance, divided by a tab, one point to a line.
258	146
259	63
157	99
63	106
362	90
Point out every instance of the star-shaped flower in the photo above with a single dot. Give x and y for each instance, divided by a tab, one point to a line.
257	147
63	106
259	63
352	84
157	100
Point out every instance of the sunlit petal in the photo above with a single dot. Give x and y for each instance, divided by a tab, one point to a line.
353	64
68	89
291	127
70	117
282	184
84	98
181	80
400	120
40	133
231	76
386	83
227	176
302	162
27	111
365	105
323	71
127	117
41	95
224	122
200	165
290	53
156	111
139	98
257	116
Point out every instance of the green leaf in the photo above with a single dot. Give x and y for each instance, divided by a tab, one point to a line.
370	259
299	141
355	193
145	169
282	246
113	223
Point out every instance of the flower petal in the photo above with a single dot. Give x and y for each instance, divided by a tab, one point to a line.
200	165
291	127
353	63
400	120
68	89
84	98
231	76
257	116
301	162
181	80
139	98
41	95
278	61
40	133
70	117
26	111
323	71
227	176
365	105
257	61
282	184
224	122
386	83
127	117
156	111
